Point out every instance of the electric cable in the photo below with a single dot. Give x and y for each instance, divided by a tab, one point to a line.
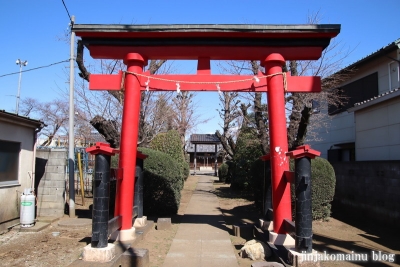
67	12
35	68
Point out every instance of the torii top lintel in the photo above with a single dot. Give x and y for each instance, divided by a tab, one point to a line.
212	41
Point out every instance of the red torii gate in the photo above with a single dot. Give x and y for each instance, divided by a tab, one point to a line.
271	44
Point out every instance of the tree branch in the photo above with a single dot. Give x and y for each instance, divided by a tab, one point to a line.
226	145
108	129
79	60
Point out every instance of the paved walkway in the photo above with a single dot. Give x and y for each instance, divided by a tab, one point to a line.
202	240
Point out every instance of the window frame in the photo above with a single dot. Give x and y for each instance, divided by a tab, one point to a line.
397	73
16	151
356	91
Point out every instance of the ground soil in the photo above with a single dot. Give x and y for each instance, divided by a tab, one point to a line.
341	234
42	248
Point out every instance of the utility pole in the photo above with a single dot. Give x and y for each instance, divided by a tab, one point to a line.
20	63
71	141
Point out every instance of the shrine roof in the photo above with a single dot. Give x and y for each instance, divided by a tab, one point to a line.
189	28
204	139
149	39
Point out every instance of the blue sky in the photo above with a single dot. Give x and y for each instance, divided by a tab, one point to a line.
31	30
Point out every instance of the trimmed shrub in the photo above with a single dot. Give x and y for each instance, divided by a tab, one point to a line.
323	182
115	161
248	150
162	183
186	170
223	172
231	169
170	143
258	185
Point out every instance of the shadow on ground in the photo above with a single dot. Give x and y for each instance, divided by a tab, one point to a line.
336	246
374	231
227	192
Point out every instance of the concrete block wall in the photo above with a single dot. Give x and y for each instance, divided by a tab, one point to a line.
370	189
50	182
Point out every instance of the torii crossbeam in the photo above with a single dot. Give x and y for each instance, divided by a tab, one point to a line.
270	44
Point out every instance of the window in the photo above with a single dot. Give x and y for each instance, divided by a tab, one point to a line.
9	161
355	92
342	152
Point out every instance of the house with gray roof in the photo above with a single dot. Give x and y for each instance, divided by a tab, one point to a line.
362	140
367	127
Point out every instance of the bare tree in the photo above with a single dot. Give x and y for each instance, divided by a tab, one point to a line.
260	114
256	118
300	107
102	110
54	114
83	129
229	114
155	116
184	117
160	111
105	112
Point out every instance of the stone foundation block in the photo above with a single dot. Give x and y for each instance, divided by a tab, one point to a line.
99	254
135	257
244	231
297	259
281	239
163	223
140	222
266	225
127	235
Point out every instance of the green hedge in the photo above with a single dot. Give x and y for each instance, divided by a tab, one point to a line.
323	182
248	150
162	183
170	143
258	185
223	172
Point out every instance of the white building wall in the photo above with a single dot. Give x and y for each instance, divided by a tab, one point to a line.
10	194
340	129
378	131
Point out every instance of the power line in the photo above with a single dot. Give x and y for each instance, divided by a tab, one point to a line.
67	11
35	68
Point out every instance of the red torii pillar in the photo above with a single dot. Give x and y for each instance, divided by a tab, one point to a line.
128	146
281	201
